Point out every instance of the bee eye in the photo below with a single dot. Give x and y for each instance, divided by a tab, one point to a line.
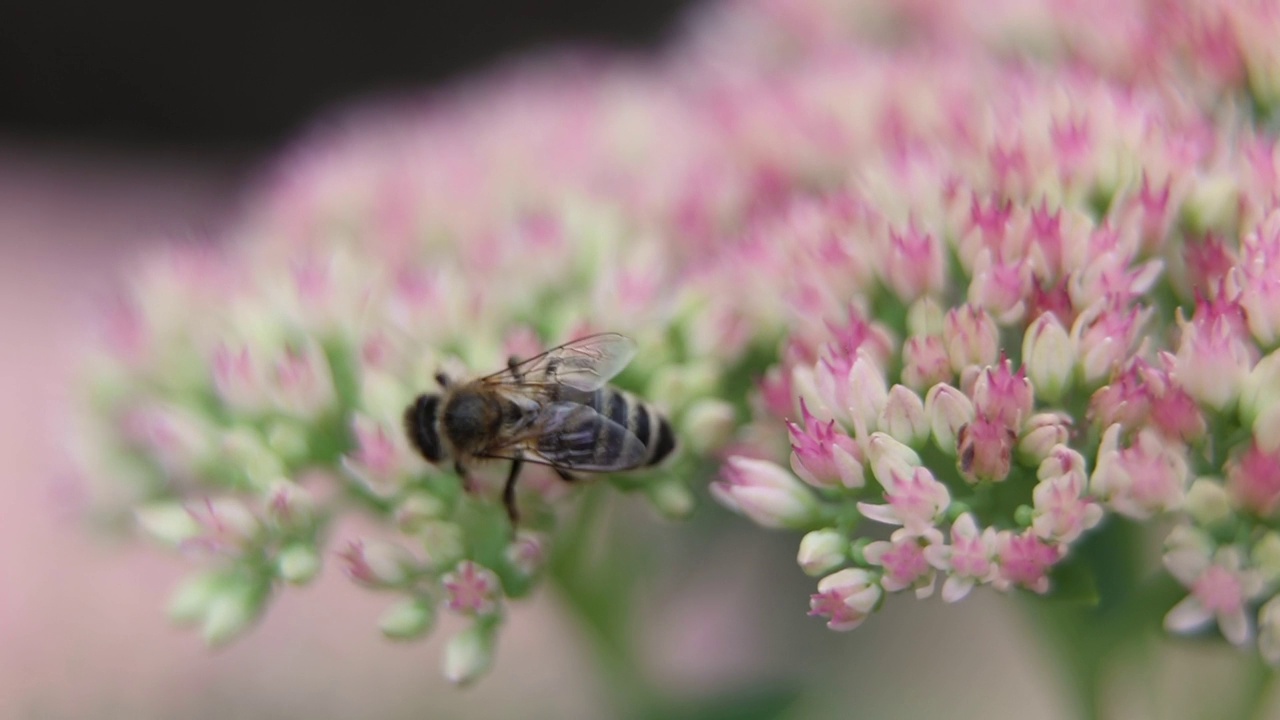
420	426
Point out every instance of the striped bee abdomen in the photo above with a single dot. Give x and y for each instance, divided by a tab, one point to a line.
640	418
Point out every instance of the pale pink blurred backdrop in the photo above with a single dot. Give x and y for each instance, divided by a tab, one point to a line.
82	629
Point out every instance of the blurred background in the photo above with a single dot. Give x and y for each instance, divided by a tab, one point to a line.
127	125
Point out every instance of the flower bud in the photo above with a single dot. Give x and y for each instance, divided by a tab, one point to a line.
904	417
469	654
971	337
948	410
1049	357
289	506
408	619
231	609
1260	402
1265	556
416	509
377	564
298	564
188	603
1207	501
925	362
443	541
887	455
925	317
822	551
168	522
472	589
766	493
710	424
671	496
1041	433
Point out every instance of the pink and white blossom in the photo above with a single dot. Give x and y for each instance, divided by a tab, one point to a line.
916	501
1221	588
845	598
904	562
968	560
1149	476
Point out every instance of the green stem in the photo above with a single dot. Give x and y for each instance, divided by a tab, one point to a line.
597	594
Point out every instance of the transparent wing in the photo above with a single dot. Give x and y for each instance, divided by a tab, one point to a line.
576	437
583	364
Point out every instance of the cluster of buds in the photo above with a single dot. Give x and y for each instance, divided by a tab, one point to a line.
985	303
1041	319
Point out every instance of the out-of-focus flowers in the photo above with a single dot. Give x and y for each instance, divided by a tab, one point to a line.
988	302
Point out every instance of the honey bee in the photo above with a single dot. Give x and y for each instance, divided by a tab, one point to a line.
555	409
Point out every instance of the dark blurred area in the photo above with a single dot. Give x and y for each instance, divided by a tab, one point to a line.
246	75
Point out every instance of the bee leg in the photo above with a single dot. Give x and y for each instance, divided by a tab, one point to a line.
564	475
513	364
467	486
509	491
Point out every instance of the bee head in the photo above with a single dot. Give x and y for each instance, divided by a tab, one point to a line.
420	426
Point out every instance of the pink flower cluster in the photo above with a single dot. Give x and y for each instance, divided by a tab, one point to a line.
1041	295
979	298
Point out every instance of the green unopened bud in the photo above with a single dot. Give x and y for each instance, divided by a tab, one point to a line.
1266	556
469	655
444	543
231	610
710	424
189	602
1207	501
925	317
246	449
298	564
288	440
671	497
416	510
408	619
168	522
822	551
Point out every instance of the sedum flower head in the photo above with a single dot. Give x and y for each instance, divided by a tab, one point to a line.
902	279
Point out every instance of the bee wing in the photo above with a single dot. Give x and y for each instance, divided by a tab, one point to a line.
584	364
576	437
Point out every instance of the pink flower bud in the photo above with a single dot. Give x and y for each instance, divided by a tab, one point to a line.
302	384
985	447
472	589
1103	335
1061	512
845	598
948	410
1048	357
1150	476
1003	395
765	492
1001	286
1024	560
914	264
377	564
822	455
237	380
1213	360
971	337
1253	481
381	460
1041	434
925	362
1259	280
